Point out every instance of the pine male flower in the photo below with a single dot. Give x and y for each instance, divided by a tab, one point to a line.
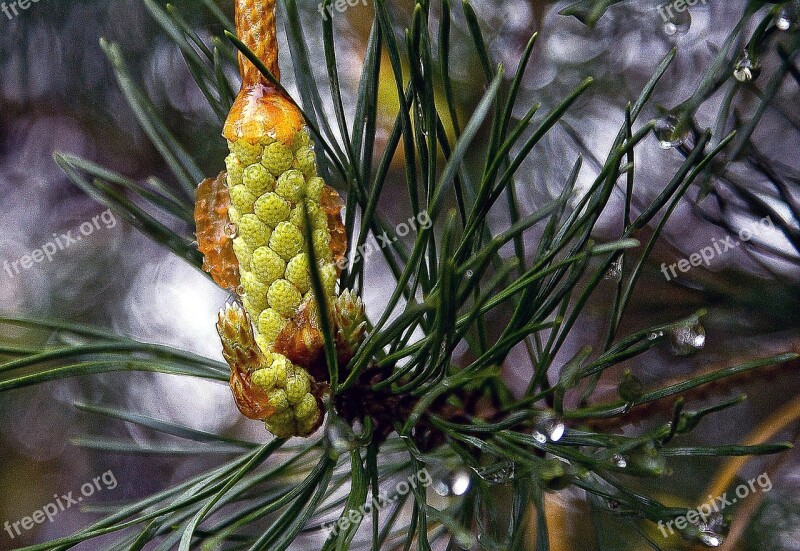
267	386
271	182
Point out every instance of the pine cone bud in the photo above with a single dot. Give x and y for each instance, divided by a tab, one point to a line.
351	324
267	386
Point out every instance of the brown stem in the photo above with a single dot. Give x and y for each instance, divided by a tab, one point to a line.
260	111
255	25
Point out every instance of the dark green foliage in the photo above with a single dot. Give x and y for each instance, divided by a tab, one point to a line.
450	282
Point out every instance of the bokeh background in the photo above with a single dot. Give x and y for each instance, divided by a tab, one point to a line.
58	93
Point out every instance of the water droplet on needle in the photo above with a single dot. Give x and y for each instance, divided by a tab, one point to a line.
678	25
498	473
787	16
746	69
615	271
687	339
667	133
549	427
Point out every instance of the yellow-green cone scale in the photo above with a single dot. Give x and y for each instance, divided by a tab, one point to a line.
267	182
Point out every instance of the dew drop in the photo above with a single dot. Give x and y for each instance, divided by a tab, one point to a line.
549	427
666	130
787	16
678	25
498	473
557	431
711	532
687	339
441	487
615	271
619	461
469	273
339	436
240	290
712	540
746	69
453	484
655	335
460	483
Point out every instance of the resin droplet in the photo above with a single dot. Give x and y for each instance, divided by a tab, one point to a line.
746	69
687	339
230	230
213	239
666	130
678	25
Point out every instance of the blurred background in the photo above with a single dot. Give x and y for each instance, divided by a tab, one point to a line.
58	92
